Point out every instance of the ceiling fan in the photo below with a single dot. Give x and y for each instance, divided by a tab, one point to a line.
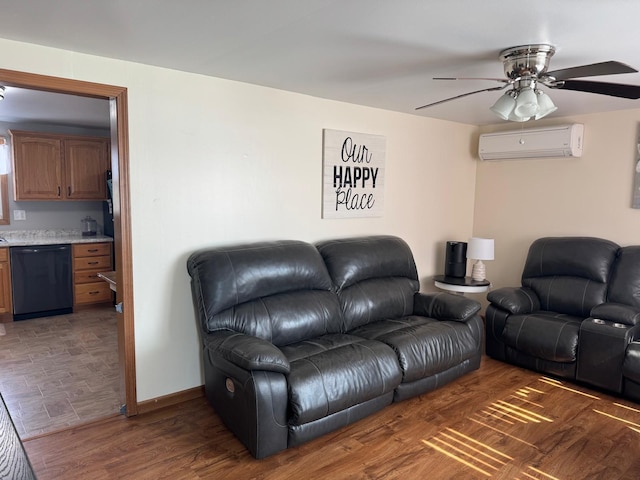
526	68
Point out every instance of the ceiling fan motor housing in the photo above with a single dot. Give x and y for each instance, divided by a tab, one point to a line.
526	60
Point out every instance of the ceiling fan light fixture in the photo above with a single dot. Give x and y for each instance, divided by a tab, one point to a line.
545	105
526	103
504	105
514	117
527	66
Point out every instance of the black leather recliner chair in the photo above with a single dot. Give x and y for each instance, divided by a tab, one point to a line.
575	316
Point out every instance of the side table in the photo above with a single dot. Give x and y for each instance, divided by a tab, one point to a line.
461	285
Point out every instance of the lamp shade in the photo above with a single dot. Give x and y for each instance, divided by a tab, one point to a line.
504	106
545	105
515	118
480	248
526	104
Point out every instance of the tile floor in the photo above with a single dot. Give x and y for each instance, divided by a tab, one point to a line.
60	371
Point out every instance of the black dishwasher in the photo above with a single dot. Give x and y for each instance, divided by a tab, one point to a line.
41	281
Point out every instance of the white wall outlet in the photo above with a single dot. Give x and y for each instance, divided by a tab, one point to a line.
19	215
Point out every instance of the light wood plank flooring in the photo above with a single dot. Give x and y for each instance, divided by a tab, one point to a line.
60	371
500	422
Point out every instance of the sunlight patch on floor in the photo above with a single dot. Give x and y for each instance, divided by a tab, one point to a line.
458	459
502	432
617	418
539	472
555	383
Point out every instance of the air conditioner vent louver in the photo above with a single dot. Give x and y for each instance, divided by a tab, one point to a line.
547	142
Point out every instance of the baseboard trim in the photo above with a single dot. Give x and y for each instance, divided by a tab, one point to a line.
170	400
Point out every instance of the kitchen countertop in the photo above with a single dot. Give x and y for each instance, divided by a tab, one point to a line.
18	238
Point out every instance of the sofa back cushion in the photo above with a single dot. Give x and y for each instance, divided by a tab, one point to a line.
569	274
624	286
278	291
375	277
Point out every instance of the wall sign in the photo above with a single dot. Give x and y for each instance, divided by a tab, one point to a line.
353	174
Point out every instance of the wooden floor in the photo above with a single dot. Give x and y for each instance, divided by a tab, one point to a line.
60	371
499	422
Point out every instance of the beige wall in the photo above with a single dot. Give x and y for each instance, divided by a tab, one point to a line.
217	162
518	201
214	161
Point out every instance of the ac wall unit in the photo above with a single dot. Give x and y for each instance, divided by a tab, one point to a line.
557	141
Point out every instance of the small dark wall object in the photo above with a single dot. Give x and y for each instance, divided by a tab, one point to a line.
456	259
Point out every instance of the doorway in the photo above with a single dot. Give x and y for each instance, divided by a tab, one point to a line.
117	97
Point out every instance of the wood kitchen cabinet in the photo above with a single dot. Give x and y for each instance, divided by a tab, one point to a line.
5	282
49	166
88	260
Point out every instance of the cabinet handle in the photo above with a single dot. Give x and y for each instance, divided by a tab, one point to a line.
68	191
93	263
95	292
59	190
91	250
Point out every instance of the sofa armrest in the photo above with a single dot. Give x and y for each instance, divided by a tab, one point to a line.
247	352
617	313
515	300
445	306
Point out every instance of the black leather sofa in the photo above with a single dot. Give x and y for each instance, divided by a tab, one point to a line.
300	340
576	315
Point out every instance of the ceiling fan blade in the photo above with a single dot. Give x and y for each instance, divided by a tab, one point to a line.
604	68
460	96
602	88
502	80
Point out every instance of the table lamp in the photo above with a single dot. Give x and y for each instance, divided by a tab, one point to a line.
479	249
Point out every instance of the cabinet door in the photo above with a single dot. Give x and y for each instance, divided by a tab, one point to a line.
5	288
86	164
37	167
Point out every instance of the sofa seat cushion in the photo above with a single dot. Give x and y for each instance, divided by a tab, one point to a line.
424	346
337	371
546	335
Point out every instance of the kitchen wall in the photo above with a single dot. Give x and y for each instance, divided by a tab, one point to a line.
51	215
217	162
517	201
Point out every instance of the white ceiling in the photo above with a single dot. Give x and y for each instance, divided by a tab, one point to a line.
369	52
32	106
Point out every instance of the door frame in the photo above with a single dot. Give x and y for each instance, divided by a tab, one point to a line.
119	126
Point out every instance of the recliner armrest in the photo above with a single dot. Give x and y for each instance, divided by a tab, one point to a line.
247	352
445	306
516	300
617	313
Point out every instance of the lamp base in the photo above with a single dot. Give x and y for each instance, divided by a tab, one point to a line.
479	271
